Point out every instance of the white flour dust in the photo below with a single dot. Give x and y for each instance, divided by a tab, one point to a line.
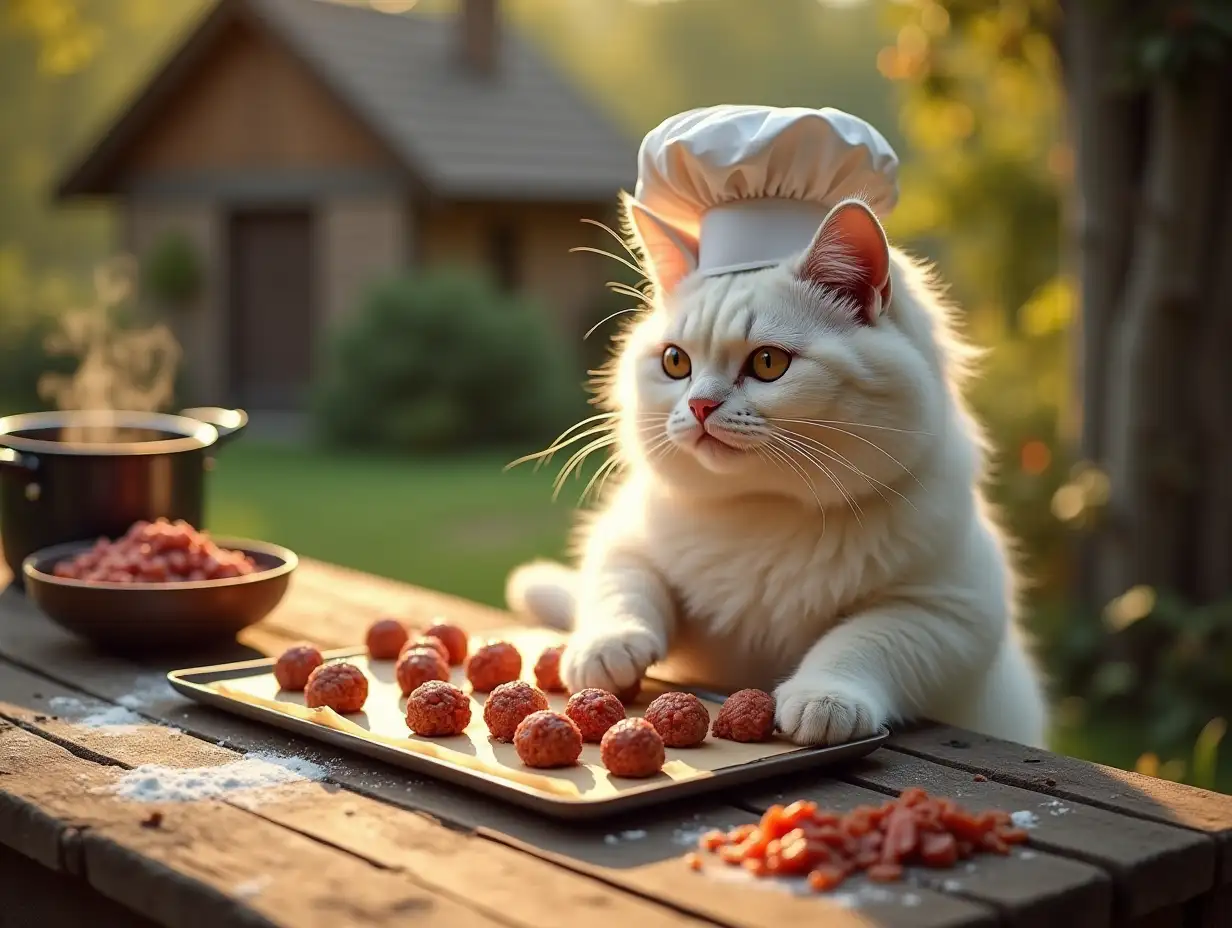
1024	819
250	888
110	720
1056	807
156	783
148	690
633	834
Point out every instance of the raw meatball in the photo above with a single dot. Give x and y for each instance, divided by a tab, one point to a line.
417	666
632	748
427	641
680	719
747	715
295	664
492	665
453	638
507	705
548	739
547	670
342	687
594	712
436	709
385	639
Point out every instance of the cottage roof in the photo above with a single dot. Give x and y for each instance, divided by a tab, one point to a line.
526	133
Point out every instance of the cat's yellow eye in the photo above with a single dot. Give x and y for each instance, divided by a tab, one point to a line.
769	363
676	363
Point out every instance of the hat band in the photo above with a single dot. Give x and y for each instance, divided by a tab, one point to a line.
750	234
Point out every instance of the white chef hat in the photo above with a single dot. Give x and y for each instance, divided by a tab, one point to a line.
731	188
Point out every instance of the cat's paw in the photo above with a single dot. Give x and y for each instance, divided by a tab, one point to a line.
821	710
612	660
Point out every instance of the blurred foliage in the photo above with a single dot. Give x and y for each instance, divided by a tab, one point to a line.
171	272
444	360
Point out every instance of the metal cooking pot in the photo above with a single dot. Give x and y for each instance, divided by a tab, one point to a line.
80	474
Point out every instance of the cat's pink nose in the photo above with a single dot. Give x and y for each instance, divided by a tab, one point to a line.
702	408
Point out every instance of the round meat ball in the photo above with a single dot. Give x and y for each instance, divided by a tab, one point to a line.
547	670
453	638
438	709
492	665
417	666
594	712
507	705
747	715
632	748
295	665
341	687
680	719
548	739
385	639
427	641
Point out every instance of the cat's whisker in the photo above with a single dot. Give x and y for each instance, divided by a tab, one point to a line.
559	441
614	234
574	464
600	475
803	475
609	317
839	458
876	447
860	425
607	254
800	449
617	286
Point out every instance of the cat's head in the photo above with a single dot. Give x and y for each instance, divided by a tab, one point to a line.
822	376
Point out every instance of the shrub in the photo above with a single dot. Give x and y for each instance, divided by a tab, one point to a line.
443	360
171	271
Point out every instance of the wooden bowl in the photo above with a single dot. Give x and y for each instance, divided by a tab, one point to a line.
134	617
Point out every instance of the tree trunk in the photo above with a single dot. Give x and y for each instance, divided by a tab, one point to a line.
1154	239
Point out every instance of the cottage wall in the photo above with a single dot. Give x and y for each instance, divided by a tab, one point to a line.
359	240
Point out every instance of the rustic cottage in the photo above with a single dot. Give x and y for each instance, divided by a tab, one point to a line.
304	146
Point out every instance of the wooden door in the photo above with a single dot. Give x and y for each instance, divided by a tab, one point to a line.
272	308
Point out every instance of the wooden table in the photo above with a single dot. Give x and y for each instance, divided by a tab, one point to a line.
372	845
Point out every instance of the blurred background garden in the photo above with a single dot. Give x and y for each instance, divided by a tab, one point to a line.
1077	258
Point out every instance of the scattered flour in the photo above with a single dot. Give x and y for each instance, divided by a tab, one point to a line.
689	835
951	886
148	689
111	720
1024	819
850	897
1056	807
634	834
156	783
250	888
1026	855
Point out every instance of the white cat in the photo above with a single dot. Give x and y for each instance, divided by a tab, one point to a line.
799	509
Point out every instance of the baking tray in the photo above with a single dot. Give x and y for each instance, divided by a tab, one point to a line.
473	760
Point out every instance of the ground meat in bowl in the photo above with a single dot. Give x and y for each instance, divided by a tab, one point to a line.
438	709
548	739
341	687
747	715
507	705
632	748
295	665
680	719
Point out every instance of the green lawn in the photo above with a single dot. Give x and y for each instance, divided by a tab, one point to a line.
456	524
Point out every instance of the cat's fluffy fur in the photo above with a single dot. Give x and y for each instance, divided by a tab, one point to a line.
838	550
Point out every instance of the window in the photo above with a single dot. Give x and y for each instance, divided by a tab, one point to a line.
503	256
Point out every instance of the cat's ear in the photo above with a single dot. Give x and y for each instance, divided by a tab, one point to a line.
669	254
850	253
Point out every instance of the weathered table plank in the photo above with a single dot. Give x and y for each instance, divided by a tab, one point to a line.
1121	791
1029	888
205	862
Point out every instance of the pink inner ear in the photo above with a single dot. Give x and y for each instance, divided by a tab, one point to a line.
850	254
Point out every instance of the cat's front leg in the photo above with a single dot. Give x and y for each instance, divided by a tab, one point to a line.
625	619
886	664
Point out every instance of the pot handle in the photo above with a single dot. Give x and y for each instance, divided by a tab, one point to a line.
10	458
228	422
